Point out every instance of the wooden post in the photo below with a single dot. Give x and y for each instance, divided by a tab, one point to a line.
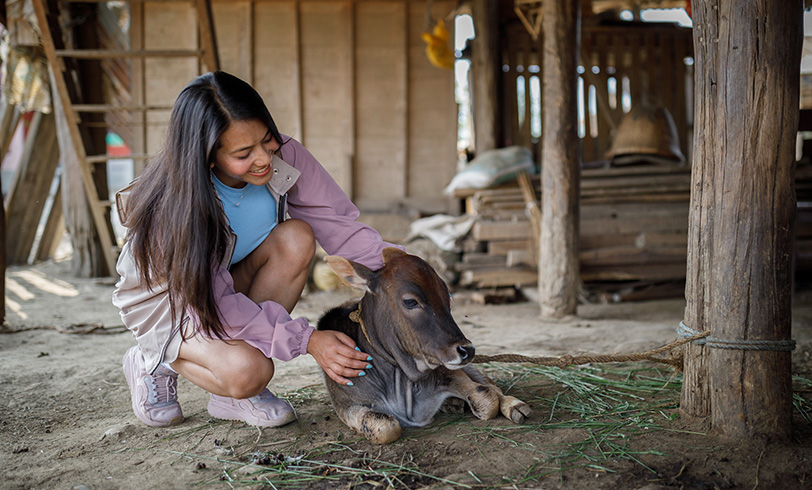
9	118
27	196
486	68
54	228
695	398
208	38
2	260
560	161
742	212
93	248
84	261
138	86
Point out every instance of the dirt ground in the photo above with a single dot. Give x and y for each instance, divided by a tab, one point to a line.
66	420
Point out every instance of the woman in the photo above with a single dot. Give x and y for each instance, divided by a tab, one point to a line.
211	269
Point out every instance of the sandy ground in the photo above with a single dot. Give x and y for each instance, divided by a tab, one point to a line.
66	420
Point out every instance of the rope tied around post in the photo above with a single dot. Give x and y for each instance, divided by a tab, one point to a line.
568	360
685	331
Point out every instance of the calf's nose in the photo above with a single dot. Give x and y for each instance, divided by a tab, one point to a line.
466	352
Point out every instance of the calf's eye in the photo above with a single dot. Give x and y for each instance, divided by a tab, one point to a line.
410	303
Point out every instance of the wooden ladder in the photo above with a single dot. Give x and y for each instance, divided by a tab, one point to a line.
62	62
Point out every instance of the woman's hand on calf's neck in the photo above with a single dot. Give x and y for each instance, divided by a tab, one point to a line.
337	355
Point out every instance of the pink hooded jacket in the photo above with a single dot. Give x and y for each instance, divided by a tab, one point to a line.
304	189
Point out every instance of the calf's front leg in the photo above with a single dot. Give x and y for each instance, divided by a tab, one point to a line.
484	390
483	400
379	428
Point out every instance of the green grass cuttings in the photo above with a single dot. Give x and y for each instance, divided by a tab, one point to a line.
587	417
603	407
309	469
802	397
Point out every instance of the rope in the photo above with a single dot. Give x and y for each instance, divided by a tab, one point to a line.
762	345
568	360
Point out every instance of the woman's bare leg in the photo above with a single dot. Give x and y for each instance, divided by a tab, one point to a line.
276	270
226	368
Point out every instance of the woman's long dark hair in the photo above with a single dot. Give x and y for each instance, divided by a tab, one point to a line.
177	229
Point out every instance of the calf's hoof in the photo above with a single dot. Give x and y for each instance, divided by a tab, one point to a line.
515	409
453	405
380	428
484	402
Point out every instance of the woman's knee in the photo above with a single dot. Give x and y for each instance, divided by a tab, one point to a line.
296	241
247	375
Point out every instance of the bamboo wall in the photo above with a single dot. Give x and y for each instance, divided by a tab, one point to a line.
632	63
350	79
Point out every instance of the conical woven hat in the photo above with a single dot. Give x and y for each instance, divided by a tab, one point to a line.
646	131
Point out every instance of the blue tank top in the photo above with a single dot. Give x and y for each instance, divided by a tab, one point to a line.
251	213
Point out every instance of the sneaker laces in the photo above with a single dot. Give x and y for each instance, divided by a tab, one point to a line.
164	390
263	395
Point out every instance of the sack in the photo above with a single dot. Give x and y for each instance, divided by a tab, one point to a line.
492	168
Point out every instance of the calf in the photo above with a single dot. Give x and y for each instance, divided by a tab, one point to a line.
420	355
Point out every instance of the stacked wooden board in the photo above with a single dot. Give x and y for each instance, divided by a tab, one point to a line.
633	228
633	231
803	227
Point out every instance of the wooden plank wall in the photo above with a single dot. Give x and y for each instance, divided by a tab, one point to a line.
348	78
649	57
166	26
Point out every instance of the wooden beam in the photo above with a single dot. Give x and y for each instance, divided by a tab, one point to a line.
486	68
742	220
351	170
407	98
101	54
298	72
208	39
27	196
558	258
9	118
53	230
72	141
2	261
137	86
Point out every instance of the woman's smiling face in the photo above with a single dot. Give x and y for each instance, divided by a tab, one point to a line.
245	154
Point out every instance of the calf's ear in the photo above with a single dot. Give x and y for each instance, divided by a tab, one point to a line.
390	253
352	274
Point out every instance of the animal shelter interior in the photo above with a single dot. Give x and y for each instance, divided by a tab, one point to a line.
567	155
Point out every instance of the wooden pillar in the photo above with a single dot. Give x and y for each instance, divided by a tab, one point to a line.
486	69
29	192
560	160
9	118
138	145
86	261
208	38
742	218
92	127
2	260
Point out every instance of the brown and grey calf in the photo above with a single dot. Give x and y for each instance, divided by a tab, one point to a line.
420	355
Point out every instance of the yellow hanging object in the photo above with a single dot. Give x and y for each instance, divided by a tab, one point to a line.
437	48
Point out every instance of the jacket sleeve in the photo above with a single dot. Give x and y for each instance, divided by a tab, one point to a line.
318	200
266	326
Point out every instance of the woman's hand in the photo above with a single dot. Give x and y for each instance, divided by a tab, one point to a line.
336	353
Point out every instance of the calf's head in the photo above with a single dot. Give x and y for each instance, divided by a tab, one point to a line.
407	311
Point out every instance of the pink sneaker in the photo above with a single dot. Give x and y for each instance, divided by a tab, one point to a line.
263	410
155	397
